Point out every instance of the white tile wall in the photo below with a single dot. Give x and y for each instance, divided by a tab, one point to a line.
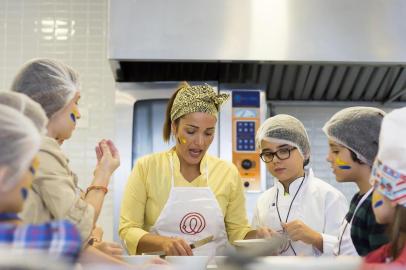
75	32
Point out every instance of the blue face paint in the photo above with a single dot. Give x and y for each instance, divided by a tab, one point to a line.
73	117
24	193
377	199
34	166
378	204
342	164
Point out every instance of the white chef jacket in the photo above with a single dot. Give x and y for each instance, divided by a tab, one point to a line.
318	205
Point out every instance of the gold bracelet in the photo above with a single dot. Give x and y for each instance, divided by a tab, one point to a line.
104	189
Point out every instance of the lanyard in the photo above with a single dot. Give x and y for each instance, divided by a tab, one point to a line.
290	207
8	216
355	211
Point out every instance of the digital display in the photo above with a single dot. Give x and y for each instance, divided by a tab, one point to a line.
245	113
246	99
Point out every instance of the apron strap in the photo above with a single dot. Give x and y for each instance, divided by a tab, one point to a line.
172	180
206	168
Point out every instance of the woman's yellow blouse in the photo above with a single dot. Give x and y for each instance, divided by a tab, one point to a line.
148	190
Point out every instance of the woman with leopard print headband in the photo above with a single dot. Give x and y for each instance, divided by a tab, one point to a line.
180	196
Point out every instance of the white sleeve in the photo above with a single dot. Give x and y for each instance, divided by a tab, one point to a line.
261	205
336	209
255	224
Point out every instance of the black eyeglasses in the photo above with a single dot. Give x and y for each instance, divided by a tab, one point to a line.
282	154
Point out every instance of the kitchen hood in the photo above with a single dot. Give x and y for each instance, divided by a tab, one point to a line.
297	50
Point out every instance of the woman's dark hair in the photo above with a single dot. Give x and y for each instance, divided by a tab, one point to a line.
397	228
166	134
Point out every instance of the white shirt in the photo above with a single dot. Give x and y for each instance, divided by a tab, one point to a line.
318	205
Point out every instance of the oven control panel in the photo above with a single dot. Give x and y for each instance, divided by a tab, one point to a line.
245	123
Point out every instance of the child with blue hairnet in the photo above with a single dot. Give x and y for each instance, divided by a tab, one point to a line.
353	144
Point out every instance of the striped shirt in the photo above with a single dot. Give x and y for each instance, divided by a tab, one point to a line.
367	235
58	238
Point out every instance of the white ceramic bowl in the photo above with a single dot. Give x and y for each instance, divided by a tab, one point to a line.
220	260
307	263
188	262
138	259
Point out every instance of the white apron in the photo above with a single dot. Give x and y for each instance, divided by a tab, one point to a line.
193	213
345	245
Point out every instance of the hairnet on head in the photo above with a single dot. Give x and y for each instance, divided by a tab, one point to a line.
19	143
49	82
283	128
357	128
199	98
26	106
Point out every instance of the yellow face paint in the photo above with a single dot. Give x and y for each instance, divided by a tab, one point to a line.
377	199
33	169
74	115
182	140
342	164
34	165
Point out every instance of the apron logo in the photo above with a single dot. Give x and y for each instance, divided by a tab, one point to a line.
192	223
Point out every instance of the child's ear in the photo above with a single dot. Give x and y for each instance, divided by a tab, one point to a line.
393	204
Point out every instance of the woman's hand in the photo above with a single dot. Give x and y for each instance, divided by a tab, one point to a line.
265	232
176	247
